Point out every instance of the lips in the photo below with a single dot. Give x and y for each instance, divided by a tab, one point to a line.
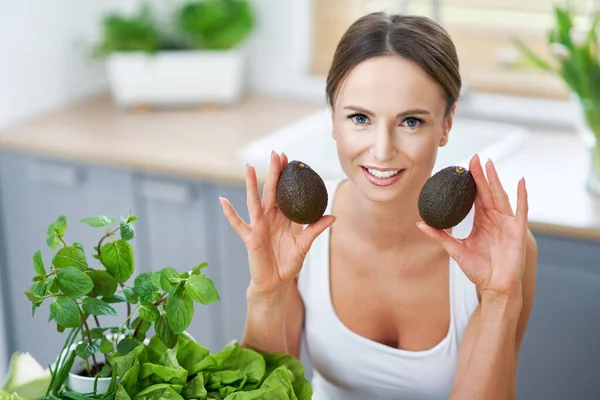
382	177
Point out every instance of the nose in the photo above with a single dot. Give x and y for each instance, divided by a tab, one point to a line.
383	148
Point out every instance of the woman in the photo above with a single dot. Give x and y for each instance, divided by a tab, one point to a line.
391	308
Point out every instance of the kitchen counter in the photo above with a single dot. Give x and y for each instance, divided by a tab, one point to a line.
203	144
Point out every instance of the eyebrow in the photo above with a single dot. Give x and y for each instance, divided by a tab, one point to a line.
400	114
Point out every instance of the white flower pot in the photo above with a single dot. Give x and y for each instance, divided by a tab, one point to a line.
174	78
83	384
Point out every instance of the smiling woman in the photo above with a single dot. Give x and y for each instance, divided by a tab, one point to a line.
389	307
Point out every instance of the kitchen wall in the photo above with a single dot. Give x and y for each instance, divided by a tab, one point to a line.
46	44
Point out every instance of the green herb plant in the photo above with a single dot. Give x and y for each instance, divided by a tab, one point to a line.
77	292
144	364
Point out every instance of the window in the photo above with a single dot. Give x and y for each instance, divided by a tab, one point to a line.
482	31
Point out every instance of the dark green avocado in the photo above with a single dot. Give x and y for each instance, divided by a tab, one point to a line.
301	193
447	197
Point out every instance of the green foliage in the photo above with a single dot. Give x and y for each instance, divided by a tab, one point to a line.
196	24
575	57
79	291
216	24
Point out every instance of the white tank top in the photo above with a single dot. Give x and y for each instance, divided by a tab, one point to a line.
348	366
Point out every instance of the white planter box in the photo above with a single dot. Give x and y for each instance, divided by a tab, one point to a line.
173	78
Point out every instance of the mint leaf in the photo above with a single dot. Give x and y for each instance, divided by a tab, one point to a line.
126	345
105	284
201	289
70	257
35	298
149	312
73	282
79	246
52	239
86	350
144	287
115	298
60	226
106	345
38	264
60	329
118	259
95	306
180	311
130	295
65	312
98	221
132	218
197	269
156	279
165	333
126	230
166	274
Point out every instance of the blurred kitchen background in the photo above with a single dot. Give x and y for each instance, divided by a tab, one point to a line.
156	114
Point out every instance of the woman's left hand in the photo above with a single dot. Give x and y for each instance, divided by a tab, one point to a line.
493	255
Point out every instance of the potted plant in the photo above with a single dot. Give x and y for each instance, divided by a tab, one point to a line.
149	354
194	57
574	45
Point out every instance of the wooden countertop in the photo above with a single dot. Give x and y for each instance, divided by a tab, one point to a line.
202	144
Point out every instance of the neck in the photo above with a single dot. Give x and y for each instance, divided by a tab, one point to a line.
386	225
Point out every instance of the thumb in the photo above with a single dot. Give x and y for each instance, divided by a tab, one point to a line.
306	238
453	246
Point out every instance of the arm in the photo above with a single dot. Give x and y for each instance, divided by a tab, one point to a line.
488	355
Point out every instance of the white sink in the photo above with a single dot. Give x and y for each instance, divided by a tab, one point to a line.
309	140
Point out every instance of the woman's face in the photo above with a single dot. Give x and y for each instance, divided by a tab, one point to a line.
388	122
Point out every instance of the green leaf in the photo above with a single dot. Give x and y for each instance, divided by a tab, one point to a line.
166	274
86	350
115	298
38	263
530	54
149	312
118	259
180	311
126	345
73	282
201	289
95	306
70	257
52	239
38	278
130	295
79	247
98	221
165	333
106	345
198	269
59	328
35	299
156	279
60	226
65	312
105	284
145	288
94	255
132	218
126	230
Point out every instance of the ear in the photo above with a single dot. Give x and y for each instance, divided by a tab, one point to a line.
447	127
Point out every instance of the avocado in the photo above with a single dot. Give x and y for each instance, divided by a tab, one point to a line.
447	197
301	193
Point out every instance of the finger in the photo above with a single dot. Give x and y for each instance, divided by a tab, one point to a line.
270	189
453	246
284	160
305	239
252	196
483	188
522	203
236	222
501	201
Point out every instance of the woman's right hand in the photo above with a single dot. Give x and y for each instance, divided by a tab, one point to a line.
275	252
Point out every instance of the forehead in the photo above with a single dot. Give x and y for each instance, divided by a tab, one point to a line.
390	82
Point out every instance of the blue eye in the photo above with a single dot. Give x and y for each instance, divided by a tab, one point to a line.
412	122
359	119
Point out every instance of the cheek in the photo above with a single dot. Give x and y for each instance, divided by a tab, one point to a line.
421	149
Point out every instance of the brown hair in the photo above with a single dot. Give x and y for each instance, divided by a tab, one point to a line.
417	38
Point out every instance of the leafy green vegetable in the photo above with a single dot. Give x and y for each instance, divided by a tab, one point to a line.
105	284
38	264
118	259
73	282
99	221
201	289
180	311
70	257
65	312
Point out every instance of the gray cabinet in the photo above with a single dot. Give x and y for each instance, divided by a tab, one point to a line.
176	231
560	352
34	192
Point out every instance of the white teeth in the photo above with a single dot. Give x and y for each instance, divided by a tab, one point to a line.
382	174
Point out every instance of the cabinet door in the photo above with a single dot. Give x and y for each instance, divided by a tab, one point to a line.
174	215
560	352
34	192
